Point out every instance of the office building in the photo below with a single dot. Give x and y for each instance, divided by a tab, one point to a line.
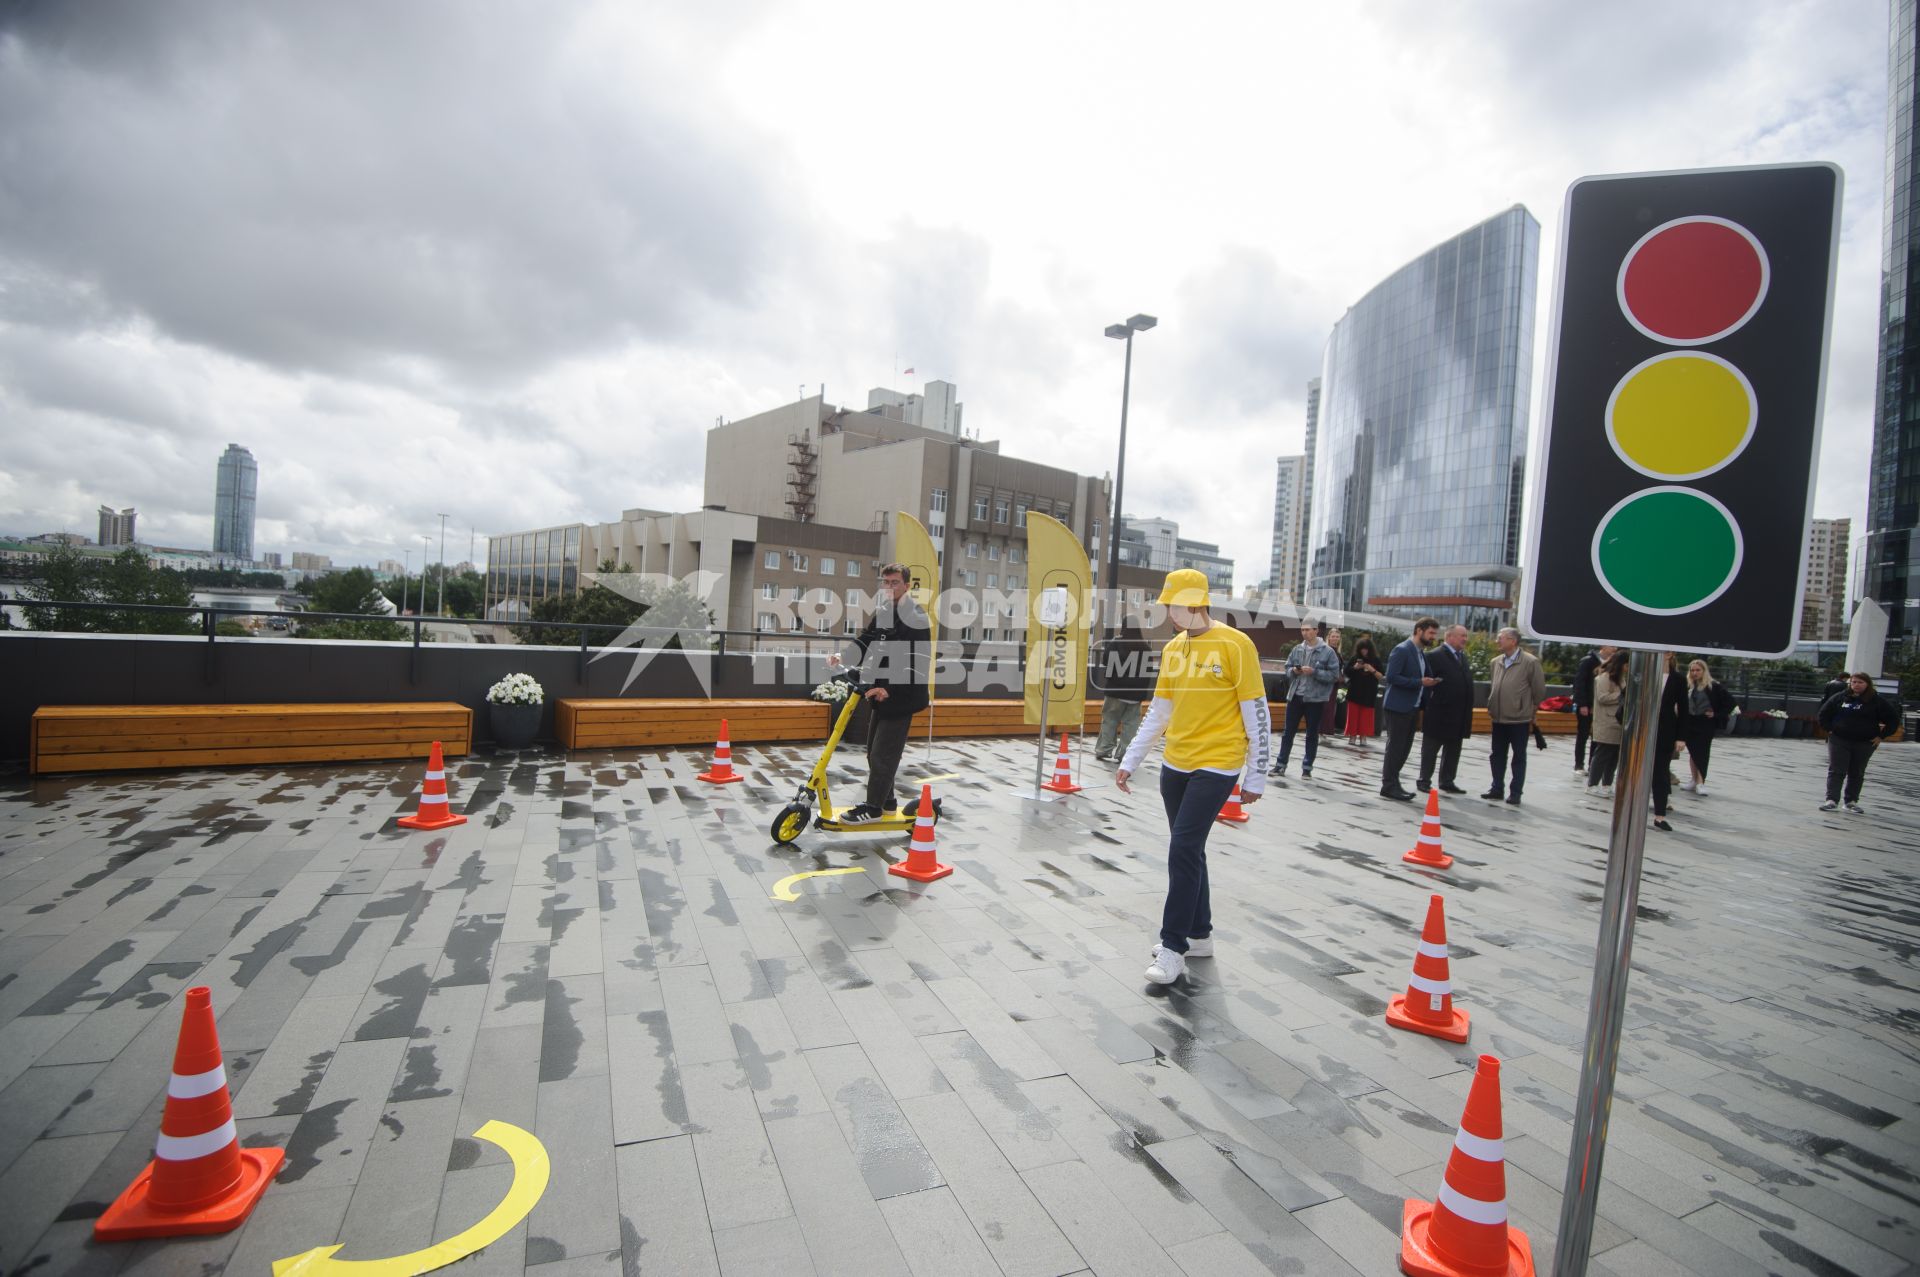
1156	546
1286	570
236	484
1420	436
938	407
1823	605
116	526
304	562
388	569
273	559
1890	556
1306	501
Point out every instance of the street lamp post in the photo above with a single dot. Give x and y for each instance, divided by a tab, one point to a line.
440	596
426	548
1121	332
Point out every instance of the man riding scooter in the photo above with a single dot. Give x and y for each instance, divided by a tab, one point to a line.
893	654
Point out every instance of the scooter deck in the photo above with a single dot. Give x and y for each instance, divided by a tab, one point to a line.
885	824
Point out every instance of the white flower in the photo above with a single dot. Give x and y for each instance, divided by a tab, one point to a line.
833	691
516	689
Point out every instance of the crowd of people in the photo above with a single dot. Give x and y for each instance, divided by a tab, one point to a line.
1207	693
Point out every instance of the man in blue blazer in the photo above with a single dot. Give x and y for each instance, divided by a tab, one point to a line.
1407	682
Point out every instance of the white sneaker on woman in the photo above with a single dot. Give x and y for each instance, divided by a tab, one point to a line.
1688	788
1167	965
1700	790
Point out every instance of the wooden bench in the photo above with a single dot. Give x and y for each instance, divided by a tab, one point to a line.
88	738
583	723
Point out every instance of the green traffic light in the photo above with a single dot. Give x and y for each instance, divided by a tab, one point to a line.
1666	551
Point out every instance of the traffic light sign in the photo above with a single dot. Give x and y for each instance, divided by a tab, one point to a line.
1674	486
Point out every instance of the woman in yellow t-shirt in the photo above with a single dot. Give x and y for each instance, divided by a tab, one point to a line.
1211	705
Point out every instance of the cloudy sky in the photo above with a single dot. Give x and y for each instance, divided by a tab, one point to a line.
508	261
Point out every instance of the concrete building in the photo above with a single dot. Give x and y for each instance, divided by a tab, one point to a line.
1286	571
938	407
852	469
116	526
760	573
273	560
1306	499
1420	435
1890	556
304	562
235	489
1823	607
1156	546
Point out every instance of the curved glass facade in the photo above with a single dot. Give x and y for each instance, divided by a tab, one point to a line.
1421	446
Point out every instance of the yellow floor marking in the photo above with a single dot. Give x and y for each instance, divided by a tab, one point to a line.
783	890
531	1170
928	780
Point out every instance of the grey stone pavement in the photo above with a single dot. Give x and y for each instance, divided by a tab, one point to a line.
965	1077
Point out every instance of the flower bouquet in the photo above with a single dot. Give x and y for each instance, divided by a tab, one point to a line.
513	710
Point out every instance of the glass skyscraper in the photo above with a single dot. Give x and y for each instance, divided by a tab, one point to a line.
1891	557
1421	439
235	483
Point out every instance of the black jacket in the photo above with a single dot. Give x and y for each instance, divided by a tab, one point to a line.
1363	689
1583	676
1698	726
1126	668
1672	713
894	653
1853	717
1449	711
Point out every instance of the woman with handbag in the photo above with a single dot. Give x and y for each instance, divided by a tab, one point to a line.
1705	712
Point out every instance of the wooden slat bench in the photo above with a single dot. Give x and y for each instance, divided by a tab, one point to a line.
583	723
86	738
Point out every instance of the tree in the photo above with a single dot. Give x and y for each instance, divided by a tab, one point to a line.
66	576
130	579
354	591
622	598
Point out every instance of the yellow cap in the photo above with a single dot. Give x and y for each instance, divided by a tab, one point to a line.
1186	587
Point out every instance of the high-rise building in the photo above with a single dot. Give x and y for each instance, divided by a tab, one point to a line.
236	482
1299	586
1823	605
1286	572
937	408
1420	437
116	526
1890	558
307	562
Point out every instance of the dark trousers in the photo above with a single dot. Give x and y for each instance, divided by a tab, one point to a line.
1510	736
886	741
1847	761
1447	750
1193	799
1699	749
1663	750
1606	758
1399	745
1298	712
1582	733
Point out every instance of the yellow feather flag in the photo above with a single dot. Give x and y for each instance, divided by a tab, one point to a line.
1057	574
913	550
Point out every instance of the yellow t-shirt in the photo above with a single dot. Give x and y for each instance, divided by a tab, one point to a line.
1206	676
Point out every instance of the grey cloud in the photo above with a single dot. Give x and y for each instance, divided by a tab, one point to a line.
351	188
1259	331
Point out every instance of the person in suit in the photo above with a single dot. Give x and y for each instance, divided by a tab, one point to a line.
1448	719
1408	682
1666	740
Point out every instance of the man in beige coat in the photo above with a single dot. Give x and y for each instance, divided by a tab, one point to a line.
1519	685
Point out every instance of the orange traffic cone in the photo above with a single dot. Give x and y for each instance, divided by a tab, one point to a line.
1464	1232
434	812
1062	782
722	773
1426	849
1233	813
1427	1005
922	865
200	1180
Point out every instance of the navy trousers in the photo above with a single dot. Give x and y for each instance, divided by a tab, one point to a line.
1193	799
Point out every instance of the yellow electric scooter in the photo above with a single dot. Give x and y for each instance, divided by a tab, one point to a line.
793	818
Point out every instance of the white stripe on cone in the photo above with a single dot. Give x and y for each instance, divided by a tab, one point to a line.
185	1148
440	776
1431	950
1480	1148
191	1086
1425	985
1471	1209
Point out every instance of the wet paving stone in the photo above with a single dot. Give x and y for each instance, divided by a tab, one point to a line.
967	1075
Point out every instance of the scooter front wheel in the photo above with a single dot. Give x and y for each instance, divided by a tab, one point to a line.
791	822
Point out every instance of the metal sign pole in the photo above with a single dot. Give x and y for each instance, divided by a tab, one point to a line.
1611	959
1046	685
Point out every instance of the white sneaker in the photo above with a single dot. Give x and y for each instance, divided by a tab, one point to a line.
1855	808
1688	788
1829	805
1579	771
1200	948
1167	965
1700	790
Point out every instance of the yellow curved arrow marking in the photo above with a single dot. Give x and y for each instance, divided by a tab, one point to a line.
531	1170
783	890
